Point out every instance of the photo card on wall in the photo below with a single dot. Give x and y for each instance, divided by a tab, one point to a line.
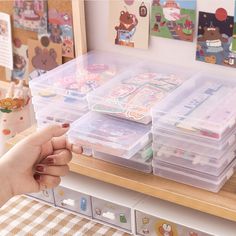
129	23
173	19
31	15
216	40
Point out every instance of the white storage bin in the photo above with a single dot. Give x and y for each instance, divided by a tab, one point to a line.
132	94
45	196
203	107
72	200
155	217
141	161
194	178
191	160
111	205
111	213
110	135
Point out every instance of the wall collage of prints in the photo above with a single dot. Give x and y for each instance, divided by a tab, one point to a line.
176	19
55	39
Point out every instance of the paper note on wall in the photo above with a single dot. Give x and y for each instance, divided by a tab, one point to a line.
6	57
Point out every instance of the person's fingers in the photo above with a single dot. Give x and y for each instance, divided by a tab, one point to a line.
46	134
59	158
59	143
52	170
47	181
74	147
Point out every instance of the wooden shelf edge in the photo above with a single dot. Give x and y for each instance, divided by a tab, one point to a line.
222	204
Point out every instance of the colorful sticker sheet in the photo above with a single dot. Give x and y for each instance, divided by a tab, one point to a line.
173	19
31	15
134	96
61	31
129	23
216	42
208	111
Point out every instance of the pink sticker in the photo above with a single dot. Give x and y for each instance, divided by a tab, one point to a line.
122	91
97	68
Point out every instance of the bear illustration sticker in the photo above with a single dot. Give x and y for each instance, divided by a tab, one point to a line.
173	19
61	31
217	37
20	62
43	56
129	23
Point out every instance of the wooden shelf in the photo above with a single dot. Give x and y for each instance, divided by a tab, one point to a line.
222	204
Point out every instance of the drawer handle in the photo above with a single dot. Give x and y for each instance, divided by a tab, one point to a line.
109	215
68	202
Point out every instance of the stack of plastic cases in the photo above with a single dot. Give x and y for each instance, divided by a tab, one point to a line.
128	100
114	140
194	133
59	96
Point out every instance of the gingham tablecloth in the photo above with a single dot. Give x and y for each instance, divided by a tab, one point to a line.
24	216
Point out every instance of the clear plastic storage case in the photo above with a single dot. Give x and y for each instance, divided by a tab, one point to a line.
141	161
194	178
191	160
187	143
132	94
110	135
203	106
66	87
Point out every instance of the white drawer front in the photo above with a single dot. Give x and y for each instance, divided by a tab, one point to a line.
45	195
148	225
73	200
111	213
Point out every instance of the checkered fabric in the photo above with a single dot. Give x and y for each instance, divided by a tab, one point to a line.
24	216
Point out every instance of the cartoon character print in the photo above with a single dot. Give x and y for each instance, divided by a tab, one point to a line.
29	12
126	29
213	39
44	59
55	33
19	66
165	228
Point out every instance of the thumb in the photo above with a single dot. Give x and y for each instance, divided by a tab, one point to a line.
46	134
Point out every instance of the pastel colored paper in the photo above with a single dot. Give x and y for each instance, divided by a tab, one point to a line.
217	37
20	62
43	56
173	19
129	23
61	31
6	58
31	15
